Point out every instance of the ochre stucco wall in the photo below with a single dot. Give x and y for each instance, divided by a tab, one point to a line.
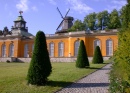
68	44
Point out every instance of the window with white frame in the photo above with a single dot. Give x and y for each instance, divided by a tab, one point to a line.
109	47
3	50
51	49
96	43
61	49
32	47
26	50
11	50
76	47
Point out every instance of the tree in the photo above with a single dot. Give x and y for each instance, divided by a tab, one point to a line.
82	58
90	21
126	16
78	25
97	58
114	20
102	20
121	14
120	73
40	66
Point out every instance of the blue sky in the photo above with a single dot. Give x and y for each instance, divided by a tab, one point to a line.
43	15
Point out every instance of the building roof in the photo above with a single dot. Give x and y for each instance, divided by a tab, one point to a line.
20	18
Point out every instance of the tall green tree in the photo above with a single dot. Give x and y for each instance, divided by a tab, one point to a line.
90	21
78	26
114	20
40	67
121	14
102	20
97	58
120	73
126	16
82	58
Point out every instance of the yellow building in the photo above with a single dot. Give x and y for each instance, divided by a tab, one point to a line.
17	44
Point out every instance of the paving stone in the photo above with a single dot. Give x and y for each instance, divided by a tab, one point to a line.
97	82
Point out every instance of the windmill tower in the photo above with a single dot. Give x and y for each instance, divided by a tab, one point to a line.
66	23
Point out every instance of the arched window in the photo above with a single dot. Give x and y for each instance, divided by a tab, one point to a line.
61	49
76	47
97	43
109	47
3	50
11	50
51	49
26	50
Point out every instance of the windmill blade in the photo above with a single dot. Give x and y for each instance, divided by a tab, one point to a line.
60	24
60	12
67	12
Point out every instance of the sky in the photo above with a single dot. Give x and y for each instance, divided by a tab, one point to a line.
43	15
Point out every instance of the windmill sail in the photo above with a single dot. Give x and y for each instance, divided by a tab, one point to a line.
65	24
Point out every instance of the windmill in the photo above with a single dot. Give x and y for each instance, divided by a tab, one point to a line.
66	23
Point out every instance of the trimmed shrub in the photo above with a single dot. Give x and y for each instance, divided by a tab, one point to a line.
97	58
40	66
82	58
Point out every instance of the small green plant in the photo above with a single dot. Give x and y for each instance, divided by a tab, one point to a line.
82	58
97	59
40	66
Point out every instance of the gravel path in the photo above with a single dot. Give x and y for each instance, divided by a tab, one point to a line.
96	82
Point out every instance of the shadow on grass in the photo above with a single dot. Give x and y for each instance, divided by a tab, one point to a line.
75	85
58	83
94	68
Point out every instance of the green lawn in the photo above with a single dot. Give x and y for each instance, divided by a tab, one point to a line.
13	77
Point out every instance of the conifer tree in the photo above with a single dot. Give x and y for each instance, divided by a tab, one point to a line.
82	58
40	66
97	58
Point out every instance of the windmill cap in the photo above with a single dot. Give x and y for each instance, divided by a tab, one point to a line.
69	18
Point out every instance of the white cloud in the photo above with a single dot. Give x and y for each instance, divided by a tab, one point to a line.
53	2
79	6
116	5
34	8
120	3
22	5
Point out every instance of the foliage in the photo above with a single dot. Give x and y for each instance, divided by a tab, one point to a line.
97	58
120	76
114	21
78	26
40	66
82	58
126	16
120	73
90	21
103	20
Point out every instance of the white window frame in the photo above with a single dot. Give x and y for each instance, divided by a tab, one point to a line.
109	47
51	49
3	50
76	47
97	42
11	50
60	49
26	50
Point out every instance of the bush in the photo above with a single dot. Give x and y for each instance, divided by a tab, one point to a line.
82	58
40	66
97	58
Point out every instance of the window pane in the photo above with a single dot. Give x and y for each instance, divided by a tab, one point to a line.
76	47
109	48
51	48
60	49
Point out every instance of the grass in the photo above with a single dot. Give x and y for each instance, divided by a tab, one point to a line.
13	77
